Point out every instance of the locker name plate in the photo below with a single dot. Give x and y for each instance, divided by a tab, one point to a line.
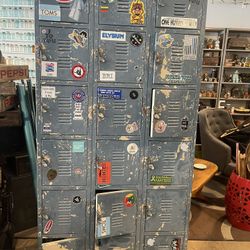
160	180
177	22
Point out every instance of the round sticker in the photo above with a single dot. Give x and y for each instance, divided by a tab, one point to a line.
77	199
130	129
165	41
78	71
133	94
129	200
136	39
132	148
48	226
78	95
160	127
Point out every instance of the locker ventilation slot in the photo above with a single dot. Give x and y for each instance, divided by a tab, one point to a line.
64	46
174	107
117	219
64	160
64	118
120	105
166	210
177	53
121	62
118	164
64	62
123	6
176	67
119	117
180	9
164	247
64	213
169	160
64	103
173	122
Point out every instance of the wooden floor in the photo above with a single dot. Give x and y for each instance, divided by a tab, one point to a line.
30	244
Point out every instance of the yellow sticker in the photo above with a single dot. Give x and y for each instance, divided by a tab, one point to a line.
137	12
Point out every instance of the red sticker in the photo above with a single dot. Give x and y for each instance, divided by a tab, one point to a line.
78	71
104	173
78	171
129	200
48	227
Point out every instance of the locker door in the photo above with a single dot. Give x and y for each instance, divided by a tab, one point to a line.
63	212
64	162
166	210
118	162
176	58
172	113
121	56
166	242
119	111
116	213
184	14
169	163
64	53
70	11
122	12
64	110
119	242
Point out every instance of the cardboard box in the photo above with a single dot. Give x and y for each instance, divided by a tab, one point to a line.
13	72
7	88
7	102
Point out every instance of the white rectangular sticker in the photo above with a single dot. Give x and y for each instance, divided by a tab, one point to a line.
48	92
191	44
113	36
49	12
49	69
179	22
106	76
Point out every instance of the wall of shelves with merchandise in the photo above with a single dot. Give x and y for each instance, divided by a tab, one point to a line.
17	33
226	71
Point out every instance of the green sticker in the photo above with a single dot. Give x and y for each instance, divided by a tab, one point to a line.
160	180
78	146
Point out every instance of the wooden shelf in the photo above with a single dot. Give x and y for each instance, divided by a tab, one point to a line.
235	67
231	83
213	50
238	50
208	98
235	99
209	82
210	66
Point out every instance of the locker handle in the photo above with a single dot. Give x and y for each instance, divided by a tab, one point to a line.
151	166
158	58
101	54
101	115
148	211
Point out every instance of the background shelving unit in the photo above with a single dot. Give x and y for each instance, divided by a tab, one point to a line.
230	64
17	33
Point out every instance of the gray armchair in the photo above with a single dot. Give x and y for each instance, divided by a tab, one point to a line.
213	123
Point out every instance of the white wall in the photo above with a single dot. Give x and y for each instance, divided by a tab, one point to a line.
228	16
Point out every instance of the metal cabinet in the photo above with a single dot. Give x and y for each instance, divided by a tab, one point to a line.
118	83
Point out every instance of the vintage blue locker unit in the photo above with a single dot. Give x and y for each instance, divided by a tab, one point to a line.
117	97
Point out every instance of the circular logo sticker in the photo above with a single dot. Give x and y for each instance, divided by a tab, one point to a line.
78	95
77	199
160	127
132	148
136	39
78	171
48	226
165	41
134	94
78	71
129	200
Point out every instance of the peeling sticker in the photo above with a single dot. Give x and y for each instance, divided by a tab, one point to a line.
123	138
185	147
78	146
103	227
48	92
132	148
48	226
137	12
151	242
131	128
107	76
129	200
191	44
166	92
104	173
49	12
78	71
79	38
165	41
49	69
179	22
160	127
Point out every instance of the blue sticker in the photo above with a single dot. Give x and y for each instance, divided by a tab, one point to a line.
110	93
103	228
78	95
78	146
49	12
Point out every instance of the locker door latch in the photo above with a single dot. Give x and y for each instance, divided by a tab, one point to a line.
148	210
149	163
158	58
101	110
101	54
